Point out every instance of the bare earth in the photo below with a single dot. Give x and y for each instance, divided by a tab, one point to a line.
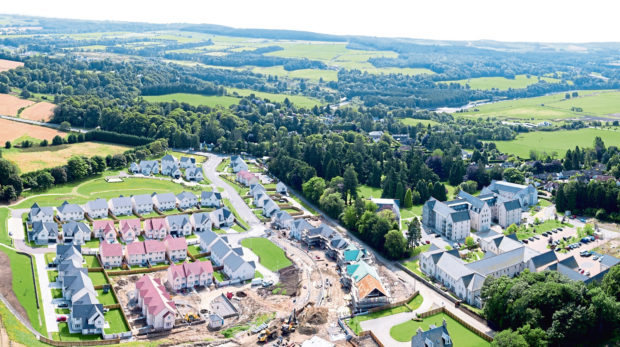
41	111
10	130
6	285
9	104
6	65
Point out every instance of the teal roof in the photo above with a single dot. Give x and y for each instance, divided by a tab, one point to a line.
352	254
361	270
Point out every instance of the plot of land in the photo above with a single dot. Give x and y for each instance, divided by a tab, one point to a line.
503	83
10	105
41	111
413	121
413	304
36	158
11	130
194	99
271	256
297	100
461	336
6	65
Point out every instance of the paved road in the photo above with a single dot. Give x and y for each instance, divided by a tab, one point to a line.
49	310
49	125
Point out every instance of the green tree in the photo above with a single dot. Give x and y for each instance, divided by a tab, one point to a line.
45	180
439	191
512	228
457	171
314	188
7	170
509	338
64	126
469	242
332	170
469	187
7	145
514	176
57	140
560	199
611	282
395	244
77	168
414	232
44	143
349	217
350	183
408	201
534	337
332	203
8	193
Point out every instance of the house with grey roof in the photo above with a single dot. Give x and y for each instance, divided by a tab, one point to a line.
43	233
453	222
435	336
149	167
222	217
76	233
187	162
169	165
86	319
186	200
68	251
509	212
207	239
142	204
120	206
164	201
298	227
70	212
281	220
179	225
269	208
238	269
76	281
97	208
134	168
527	195
256	189
194	174
40	214
498	243
69	267
201	221
210	199
281	188
260	199
238	164
219	250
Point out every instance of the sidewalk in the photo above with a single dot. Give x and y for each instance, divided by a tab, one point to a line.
46	294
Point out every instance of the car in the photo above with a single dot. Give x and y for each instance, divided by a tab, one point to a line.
582	271
61	318
565	238
587	273
595	257
582	220
525	241
537	238
63	305
317	257
600	259
428	242
583	253
560	229
544	234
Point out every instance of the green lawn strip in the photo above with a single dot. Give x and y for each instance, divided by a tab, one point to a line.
4	230
367	192
107	298
461	336
116	322
242	191
270	255
16	330
56	293
258	274
52	275
98	278
413	304
49	257
64	335
194	249
91	261
222	165
219	276
411	212
238	229
526	232
230	206
62	311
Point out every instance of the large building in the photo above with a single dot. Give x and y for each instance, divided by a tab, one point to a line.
526	195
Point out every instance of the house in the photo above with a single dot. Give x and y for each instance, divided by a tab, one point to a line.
142	204
43	233
237	164
179	225
169	165
135	253
256	189
134	168
194	174
222	217
176	248
388	204
164	201
498	243
368	293
155	251
86	319
238	269
282	220
445	220
40	214
269	208
210	199
207	239
298	227
111	254
187	162
260	199
435	336
120	206
247	178
319	236
149	167
350	255
68	251
281	188
527	195
186	200
375	135
75	232
69	267
219	250
101	228
97	208
509	212
155	228
70	212
176	173
129	229
201	221
74	281
189	275
155	302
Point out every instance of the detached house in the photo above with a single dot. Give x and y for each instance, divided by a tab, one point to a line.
176	248
260	199
149	167
155	302
207	239
210	199
187	162
111	254
201	221
97	208
86	319
129	229
238	269
76	232
281	188
43	233
222	217
179	225
237	164
247	178
256	189
134	168
70	212
298	227
155	228
155	251
219	250
282	220
169	165
142	204
189	275
164	201
186	200
269	208
68	251
120	206
194	174
104	229
40	214
135	253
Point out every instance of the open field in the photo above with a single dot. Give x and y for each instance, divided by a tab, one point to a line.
502	83
413	121
41	111
555	141
6	65
298	100
10	105
270	255
311	74
461	336
354	323
4	233
194	99
368	192
11	130
36	158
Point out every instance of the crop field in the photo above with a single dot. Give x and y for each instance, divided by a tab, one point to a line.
6	65
41	111
10	105
270	255
11	130
502	83
298	100
36	158
556	141
461	336
194	99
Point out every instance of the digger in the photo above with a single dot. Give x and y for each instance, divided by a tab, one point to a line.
290	325
190	317
268	333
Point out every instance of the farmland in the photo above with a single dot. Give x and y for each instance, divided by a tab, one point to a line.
555	141
36	158
413	121
270	255
503	83
6	65
298	100
11	130
41	111
194	99
10	105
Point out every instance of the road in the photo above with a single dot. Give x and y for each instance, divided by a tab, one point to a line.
43	124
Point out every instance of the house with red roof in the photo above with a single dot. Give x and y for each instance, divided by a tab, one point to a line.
111	254
155	251
155	228
135	253
129	229
189	275
101	228
155	302
247	178
176	248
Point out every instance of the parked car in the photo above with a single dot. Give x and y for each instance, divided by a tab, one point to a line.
61	318
63	305
595	257
560	229
428	242
525	241
587	273
600	259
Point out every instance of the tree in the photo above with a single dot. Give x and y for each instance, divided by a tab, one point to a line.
457	171
469	242
332	170
408	201
7	170
331	203
44	143
349	217
8	193
45	180
611	282
77	168
7	145
469	187
57	140
560	199
414	232
509	338
64	126
439	191
350	183
60	174
512	228
513	175
314	188
395	244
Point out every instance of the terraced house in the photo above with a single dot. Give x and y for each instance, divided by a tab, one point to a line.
189	275
155	302
111	254
120	206
142	204
70	212
176	248
97	208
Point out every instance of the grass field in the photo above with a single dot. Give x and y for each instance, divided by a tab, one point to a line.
502	83
36	158
354	323
540	228
116	321
556	141
461	336
367	192
97	278
311	74
16	330
297	100
413	121
194	99
270	255
4	231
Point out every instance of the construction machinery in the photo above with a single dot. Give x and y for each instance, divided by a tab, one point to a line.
290	325
269	333
190	317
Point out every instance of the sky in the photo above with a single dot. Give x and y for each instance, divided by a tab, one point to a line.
501	20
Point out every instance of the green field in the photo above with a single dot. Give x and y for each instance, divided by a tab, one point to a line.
556	141
16	330
524	233
297	100
461	336
311	74
502	83
414	122
413	304
4	231
98	278
116	321
367	192
271	256
194	99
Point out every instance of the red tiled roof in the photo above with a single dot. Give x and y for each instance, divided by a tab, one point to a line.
177	271
154	294
367	284
175	243
135	248
245	174
152	246
126	224
198	267
155	224
110	249
104	225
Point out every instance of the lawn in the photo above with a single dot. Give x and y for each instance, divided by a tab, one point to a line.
219	276
555	141
228	204
65	335
270	255
354	323
194	249
413	121
524	232
221	167
411	212
49	257
116	321
91	261
297	100
194	99
98	278
461	336
503	83
368	192
94	242
52	275
16	330
303	204
414	265
4	230
258	274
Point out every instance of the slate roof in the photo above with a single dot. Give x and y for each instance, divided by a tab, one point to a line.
179	220
71	228
256	188
512	205
208	195
85	312
201	218
544	259
503	260
221	214
121	201
282	216
35	210
69	208
143	199
233	261
187	160
168	157
460	216
474	201
453	266
436	336
84	297
220	249
208	237
110	249
97	204
148	163
50	227
301	224
473	282
186	195
67	250
165	197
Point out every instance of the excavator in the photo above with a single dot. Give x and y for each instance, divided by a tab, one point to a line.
270	332
190	317
290	324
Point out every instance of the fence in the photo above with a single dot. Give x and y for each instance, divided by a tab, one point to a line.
227	283
394	304
79	343
458	319
372	335
107	277
137	271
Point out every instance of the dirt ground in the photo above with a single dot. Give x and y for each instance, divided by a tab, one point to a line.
612	247
6	65
9	104
41	111
6	285
11	130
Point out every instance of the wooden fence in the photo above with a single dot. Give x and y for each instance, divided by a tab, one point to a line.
107	277
372	335
79	343
394	304
442	309
137	271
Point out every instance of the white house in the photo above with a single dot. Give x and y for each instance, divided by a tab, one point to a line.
201	221
102	227
142	204
97	208
86	319
129	229
164	201
169	164
269	208
509	212
281	188
40	214
186	200
247	178
70	212
120	206
149	167
443	219
176	248
75	232
282	220
155	302
179	225
194	174
43	233
187	162
189	275
298	227
237	164
219	250
111	254
155	228
155	251
527	195
260	199
238	269
135	253
256	189
222	217
210	199
207	240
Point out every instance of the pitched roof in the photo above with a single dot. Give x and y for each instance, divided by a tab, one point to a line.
143	199
69	208
165	197
512	205
35	210
489	265
208	237
186	195
245	175
179	220
155	296
110	249
125	225
301	224
155	224
220	248
453	265
135	248
103	224
460	216
151	246
97	204
84	312
50	227
233	261
436	336
67	250
121	201
360	270
168	157
201	218
198	267
544	259
282	216
71	228
367	285
175	243
208	195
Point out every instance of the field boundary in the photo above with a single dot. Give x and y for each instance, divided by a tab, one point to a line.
443	310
